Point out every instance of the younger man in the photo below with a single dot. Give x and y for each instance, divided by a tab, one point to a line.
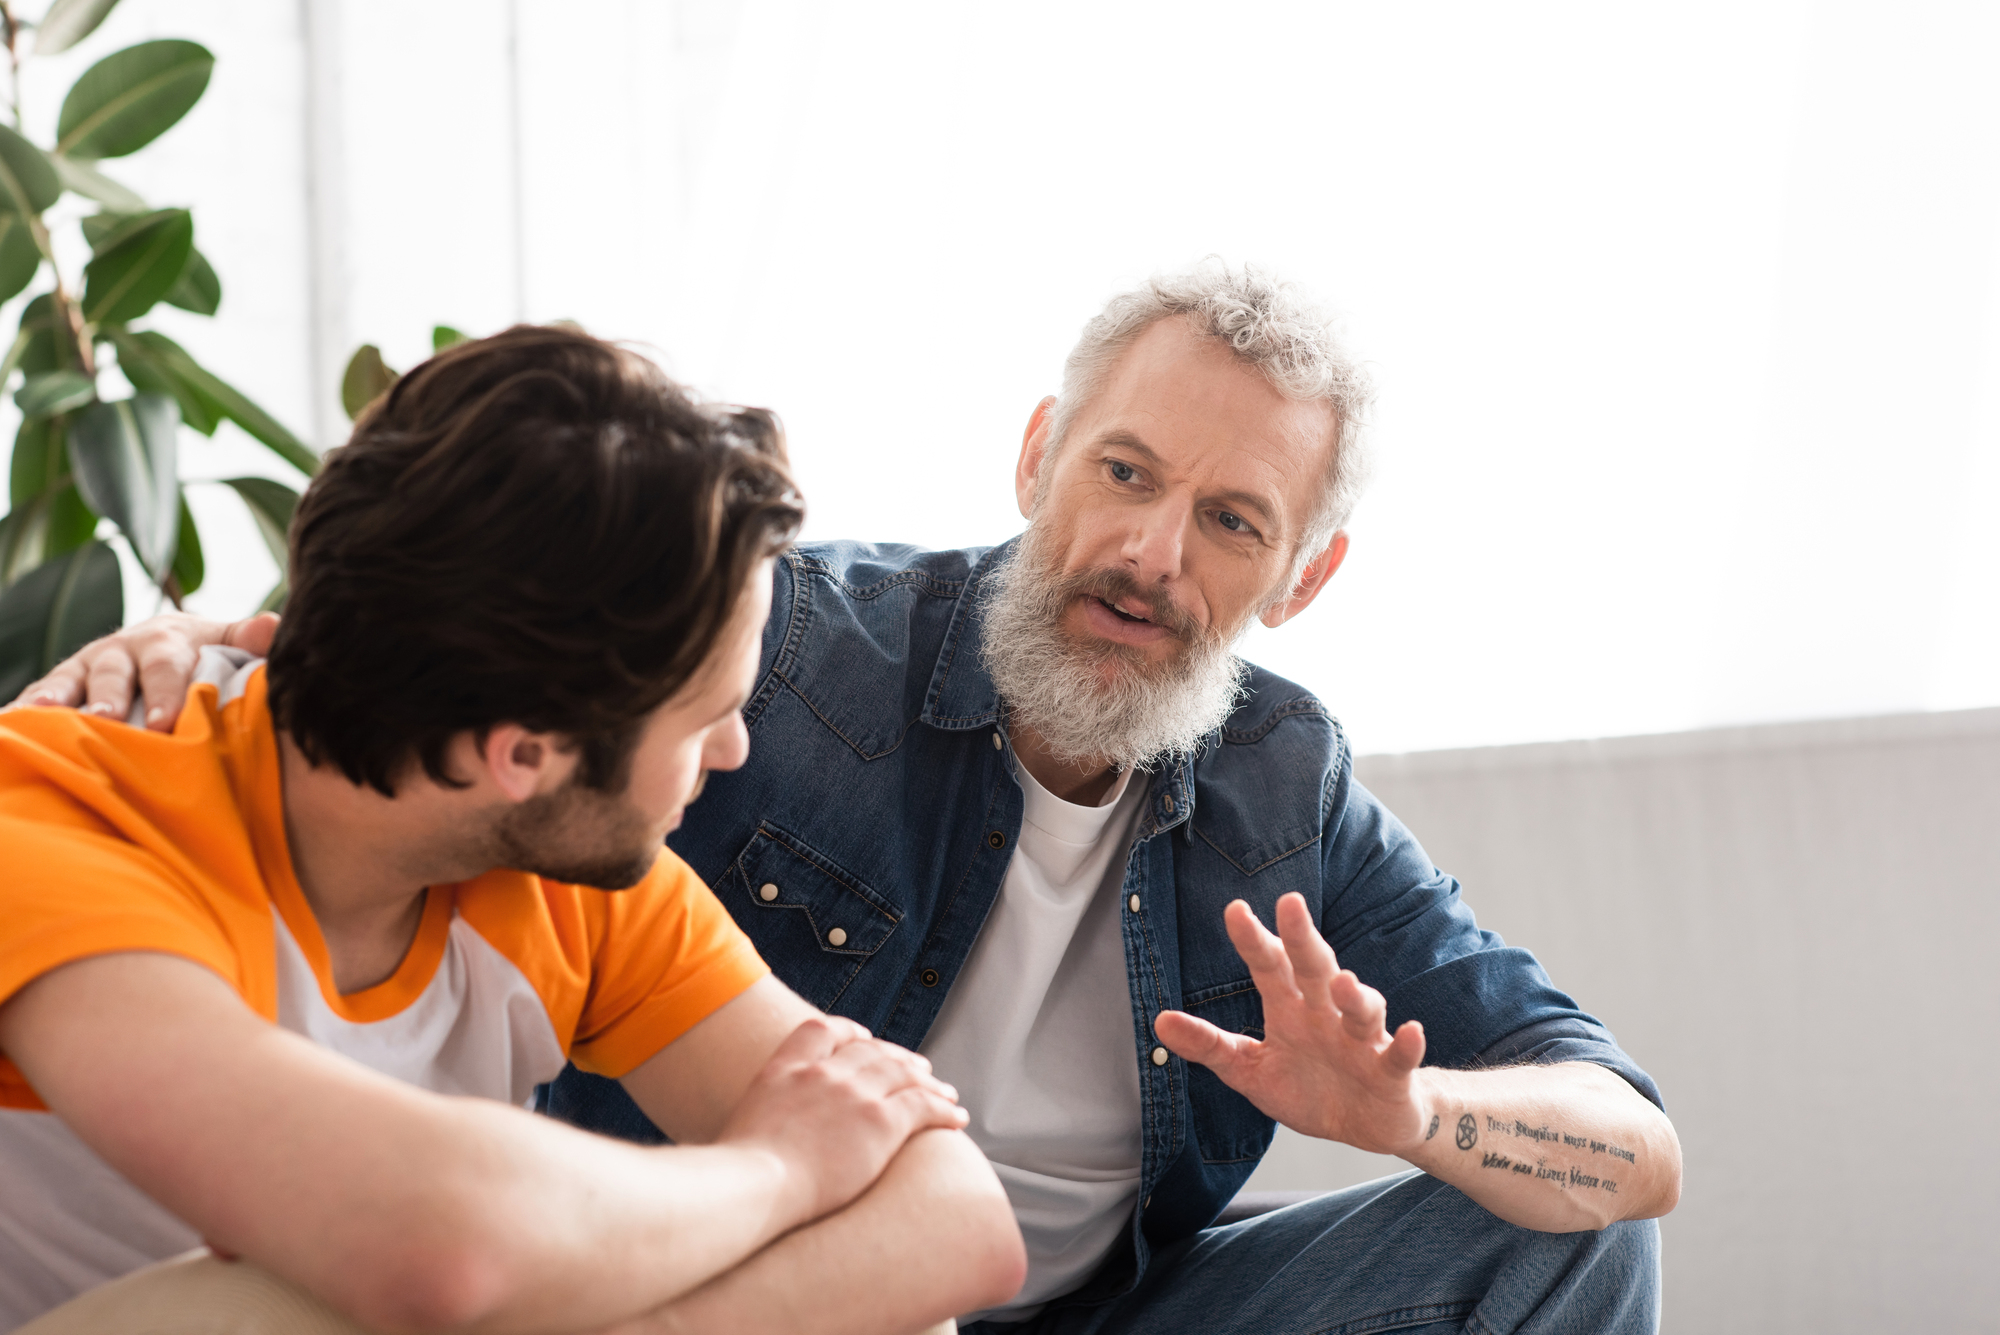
271	981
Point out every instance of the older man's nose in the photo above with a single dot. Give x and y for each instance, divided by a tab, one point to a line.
1154	546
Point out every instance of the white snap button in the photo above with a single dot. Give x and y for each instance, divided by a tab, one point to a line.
1159	1056
837	937
767	892
998	745
1134	903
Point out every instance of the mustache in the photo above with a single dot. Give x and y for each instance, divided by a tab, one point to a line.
1116	586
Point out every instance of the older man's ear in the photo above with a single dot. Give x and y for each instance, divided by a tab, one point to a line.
1311	580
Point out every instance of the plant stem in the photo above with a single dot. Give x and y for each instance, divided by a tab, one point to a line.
13	58
66	308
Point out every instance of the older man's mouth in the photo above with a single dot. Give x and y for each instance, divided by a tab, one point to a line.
1127	621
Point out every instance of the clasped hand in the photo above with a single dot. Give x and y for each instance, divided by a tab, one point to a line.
1327	1065
834	1105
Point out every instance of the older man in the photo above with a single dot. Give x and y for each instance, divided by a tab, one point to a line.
1023	809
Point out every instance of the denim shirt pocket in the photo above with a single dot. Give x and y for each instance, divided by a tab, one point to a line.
813	922
1228	1126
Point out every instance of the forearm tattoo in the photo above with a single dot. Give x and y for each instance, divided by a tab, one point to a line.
1532	1164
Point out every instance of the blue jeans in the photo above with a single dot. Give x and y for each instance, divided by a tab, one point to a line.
1407	1253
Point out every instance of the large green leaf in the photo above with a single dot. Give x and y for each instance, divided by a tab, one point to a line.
43	529
38	461
71	523
153	372
53	392
367	379
20	257
84	179
168	359
130	98
188	565
51	342
260	424
69	22
103	226
124	455
56	609
138	264
28	181
197	289
271	504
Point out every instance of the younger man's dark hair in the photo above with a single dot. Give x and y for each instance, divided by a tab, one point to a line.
536	528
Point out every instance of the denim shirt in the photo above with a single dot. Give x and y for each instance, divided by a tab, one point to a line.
880	800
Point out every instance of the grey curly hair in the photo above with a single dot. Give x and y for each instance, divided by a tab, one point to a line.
1270	325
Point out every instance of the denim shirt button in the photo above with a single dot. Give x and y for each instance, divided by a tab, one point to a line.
1159	1056
1167	801
767	892
1133	903
837	937
995	839
998	745
929	977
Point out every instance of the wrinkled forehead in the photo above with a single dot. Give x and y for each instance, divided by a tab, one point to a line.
1212	419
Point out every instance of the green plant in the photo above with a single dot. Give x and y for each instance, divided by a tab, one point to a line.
80	458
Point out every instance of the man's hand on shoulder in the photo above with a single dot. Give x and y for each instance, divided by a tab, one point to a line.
1327	1066
158	654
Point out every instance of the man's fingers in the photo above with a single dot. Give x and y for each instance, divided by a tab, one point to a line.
253	634
1199	1041
1313	965
1264	953
63	686
1362	1008
922	1110
166	670
812	1041
107	687
1406	1050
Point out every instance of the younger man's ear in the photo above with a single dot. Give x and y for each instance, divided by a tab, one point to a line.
1311	580
523	763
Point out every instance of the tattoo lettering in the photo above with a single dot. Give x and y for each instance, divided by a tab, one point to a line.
1434	1127
1570	1178
1522	1131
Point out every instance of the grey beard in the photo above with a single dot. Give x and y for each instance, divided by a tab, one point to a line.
1149	714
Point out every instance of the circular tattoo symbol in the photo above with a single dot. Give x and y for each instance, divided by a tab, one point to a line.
1434	1127
1468	1132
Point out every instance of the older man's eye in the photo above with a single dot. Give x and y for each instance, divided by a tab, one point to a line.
1234	523
1122	471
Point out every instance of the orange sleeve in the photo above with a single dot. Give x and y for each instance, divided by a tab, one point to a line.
70	893
669	957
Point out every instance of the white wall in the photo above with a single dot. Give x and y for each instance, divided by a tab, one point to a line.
1684	321
1791	928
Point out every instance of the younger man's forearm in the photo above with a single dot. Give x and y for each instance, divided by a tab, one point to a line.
933	1238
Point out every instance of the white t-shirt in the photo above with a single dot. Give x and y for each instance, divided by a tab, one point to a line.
1038	1036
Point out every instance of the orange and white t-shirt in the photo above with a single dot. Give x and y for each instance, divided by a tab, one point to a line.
117	839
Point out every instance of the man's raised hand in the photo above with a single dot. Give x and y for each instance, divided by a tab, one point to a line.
1327	1066
159	654
835	1106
